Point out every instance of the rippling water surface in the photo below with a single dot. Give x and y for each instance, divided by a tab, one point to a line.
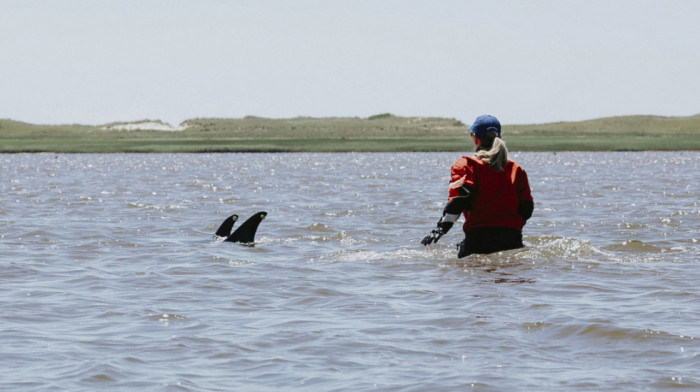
111	278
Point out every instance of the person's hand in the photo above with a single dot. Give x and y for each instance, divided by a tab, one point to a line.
434	236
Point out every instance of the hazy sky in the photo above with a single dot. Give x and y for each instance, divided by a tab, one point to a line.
525	61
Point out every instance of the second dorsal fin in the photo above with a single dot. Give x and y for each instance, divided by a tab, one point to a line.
225	229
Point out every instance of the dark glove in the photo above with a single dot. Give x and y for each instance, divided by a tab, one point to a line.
434	236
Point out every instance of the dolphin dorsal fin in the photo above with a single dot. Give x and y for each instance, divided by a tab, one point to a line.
245	234
225	229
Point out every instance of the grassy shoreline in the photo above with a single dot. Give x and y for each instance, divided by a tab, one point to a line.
381	133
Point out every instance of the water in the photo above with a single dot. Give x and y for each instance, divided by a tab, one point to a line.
111	279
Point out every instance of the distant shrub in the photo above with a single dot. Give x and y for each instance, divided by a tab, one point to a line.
380	116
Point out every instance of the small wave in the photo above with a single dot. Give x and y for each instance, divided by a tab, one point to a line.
231	262
369	256
337	214
637	246
606	330
675	382
551	247
168	208
239	263
343	238
166	318
633	225
319	227
573	249
536	326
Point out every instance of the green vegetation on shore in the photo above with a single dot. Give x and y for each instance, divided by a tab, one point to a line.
383	132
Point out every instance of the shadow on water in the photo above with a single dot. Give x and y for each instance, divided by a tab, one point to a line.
501	267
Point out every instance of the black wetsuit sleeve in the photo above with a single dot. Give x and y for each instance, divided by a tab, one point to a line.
455	207
525	208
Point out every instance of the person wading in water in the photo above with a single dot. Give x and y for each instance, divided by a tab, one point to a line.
491	191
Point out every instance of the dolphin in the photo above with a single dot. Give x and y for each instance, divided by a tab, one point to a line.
225	229
245	234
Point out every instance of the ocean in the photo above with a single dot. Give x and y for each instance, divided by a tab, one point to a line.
111	278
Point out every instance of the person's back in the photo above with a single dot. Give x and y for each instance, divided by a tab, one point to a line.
491	191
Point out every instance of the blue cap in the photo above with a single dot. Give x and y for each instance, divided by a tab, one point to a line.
483	124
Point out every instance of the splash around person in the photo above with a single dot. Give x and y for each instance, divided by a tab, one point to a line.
491	191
